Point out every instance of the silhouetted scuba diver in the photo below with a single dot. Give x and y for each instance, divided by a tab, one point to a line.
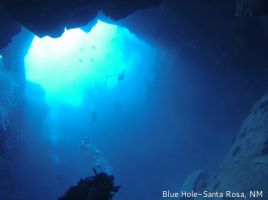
93	118
118	105
122	75
98	187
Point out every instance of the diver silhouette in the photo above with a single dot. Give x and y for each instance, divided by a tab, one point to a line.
98	187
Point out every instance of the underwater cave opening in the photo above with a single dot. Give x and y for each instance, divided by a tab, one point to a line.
107	59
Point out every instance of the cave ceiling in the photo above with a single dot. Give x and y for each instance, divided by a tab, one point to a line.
231	29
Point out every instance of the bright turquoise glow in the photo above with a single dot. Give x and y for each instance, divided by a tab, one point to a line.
77	62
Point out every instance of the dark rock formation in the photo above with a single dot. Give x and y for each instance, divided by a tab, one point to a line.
208	31
221	33
8	28
246	166
99	187
10	103
51	17
10	132
251	7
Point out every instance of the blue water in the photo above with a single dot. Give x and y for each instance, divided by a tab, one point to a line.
152	116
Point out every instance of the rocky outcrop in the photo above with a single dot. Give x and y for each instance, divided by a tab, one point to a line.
208	30
5	181
251	7
10	133
51	17
9	27
246	166
219	33
10	89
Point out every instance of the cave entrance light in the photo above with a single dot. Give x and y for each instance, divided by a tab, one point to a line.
68	66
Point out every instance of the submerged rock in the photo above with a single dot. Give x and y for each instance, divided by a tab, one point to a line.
251	7
52	17
98	187
10	101
196	181
245	168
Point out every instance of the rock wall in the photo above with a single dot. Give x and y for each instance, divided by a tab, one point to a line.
245	167
50	17
10	132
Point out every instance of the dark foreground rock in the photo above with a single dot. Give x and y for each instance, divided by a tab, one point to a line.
99	187
51	17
